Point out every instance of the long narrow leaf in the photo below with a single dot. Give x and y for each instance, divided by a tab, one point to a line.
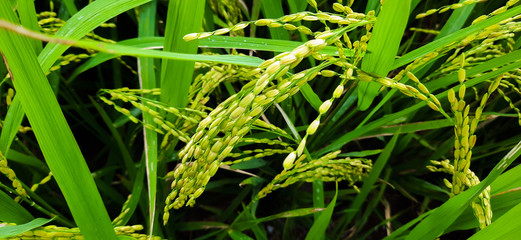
28	19
318	230
373	176
76	27
13	119
132	51
183	17
383	47
147	80
54	135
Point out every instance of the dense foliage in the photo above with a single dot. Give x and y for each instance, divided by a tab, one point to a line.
266	119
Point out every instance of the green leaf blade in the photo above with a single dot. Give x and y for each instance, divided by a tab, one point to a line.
318	230
184	17
11	231
54	136
383	47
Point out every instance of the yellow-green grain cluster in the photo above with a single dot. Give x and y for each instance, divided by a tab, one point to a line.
230	10
423	30
247	155
465	139
118	221
489	43
481	206
147	106
287	22
205	83
328	168
50	24
447	8
421	93
502	9
43	181
67	59
511	104
10	174
322	110
218	133
9	96
62	233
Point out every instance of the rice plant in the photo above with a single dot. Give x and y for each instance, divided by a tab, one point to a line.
235	119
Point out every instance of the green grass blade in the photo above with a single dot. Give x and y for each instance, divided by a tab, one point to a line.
13	119
360	154
297	6
191	226
11	231
311	96
507	181
236	235
398	232
75	28
383	47
71	7
11	211
19	157
484	67
373	176
54	135
133	51
183	17
127	159
501	187
15	114
442	217
371	5
318	197
250	164
319	227
374	202
255	13
289	122
13	3
137	190
147	80
28	19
